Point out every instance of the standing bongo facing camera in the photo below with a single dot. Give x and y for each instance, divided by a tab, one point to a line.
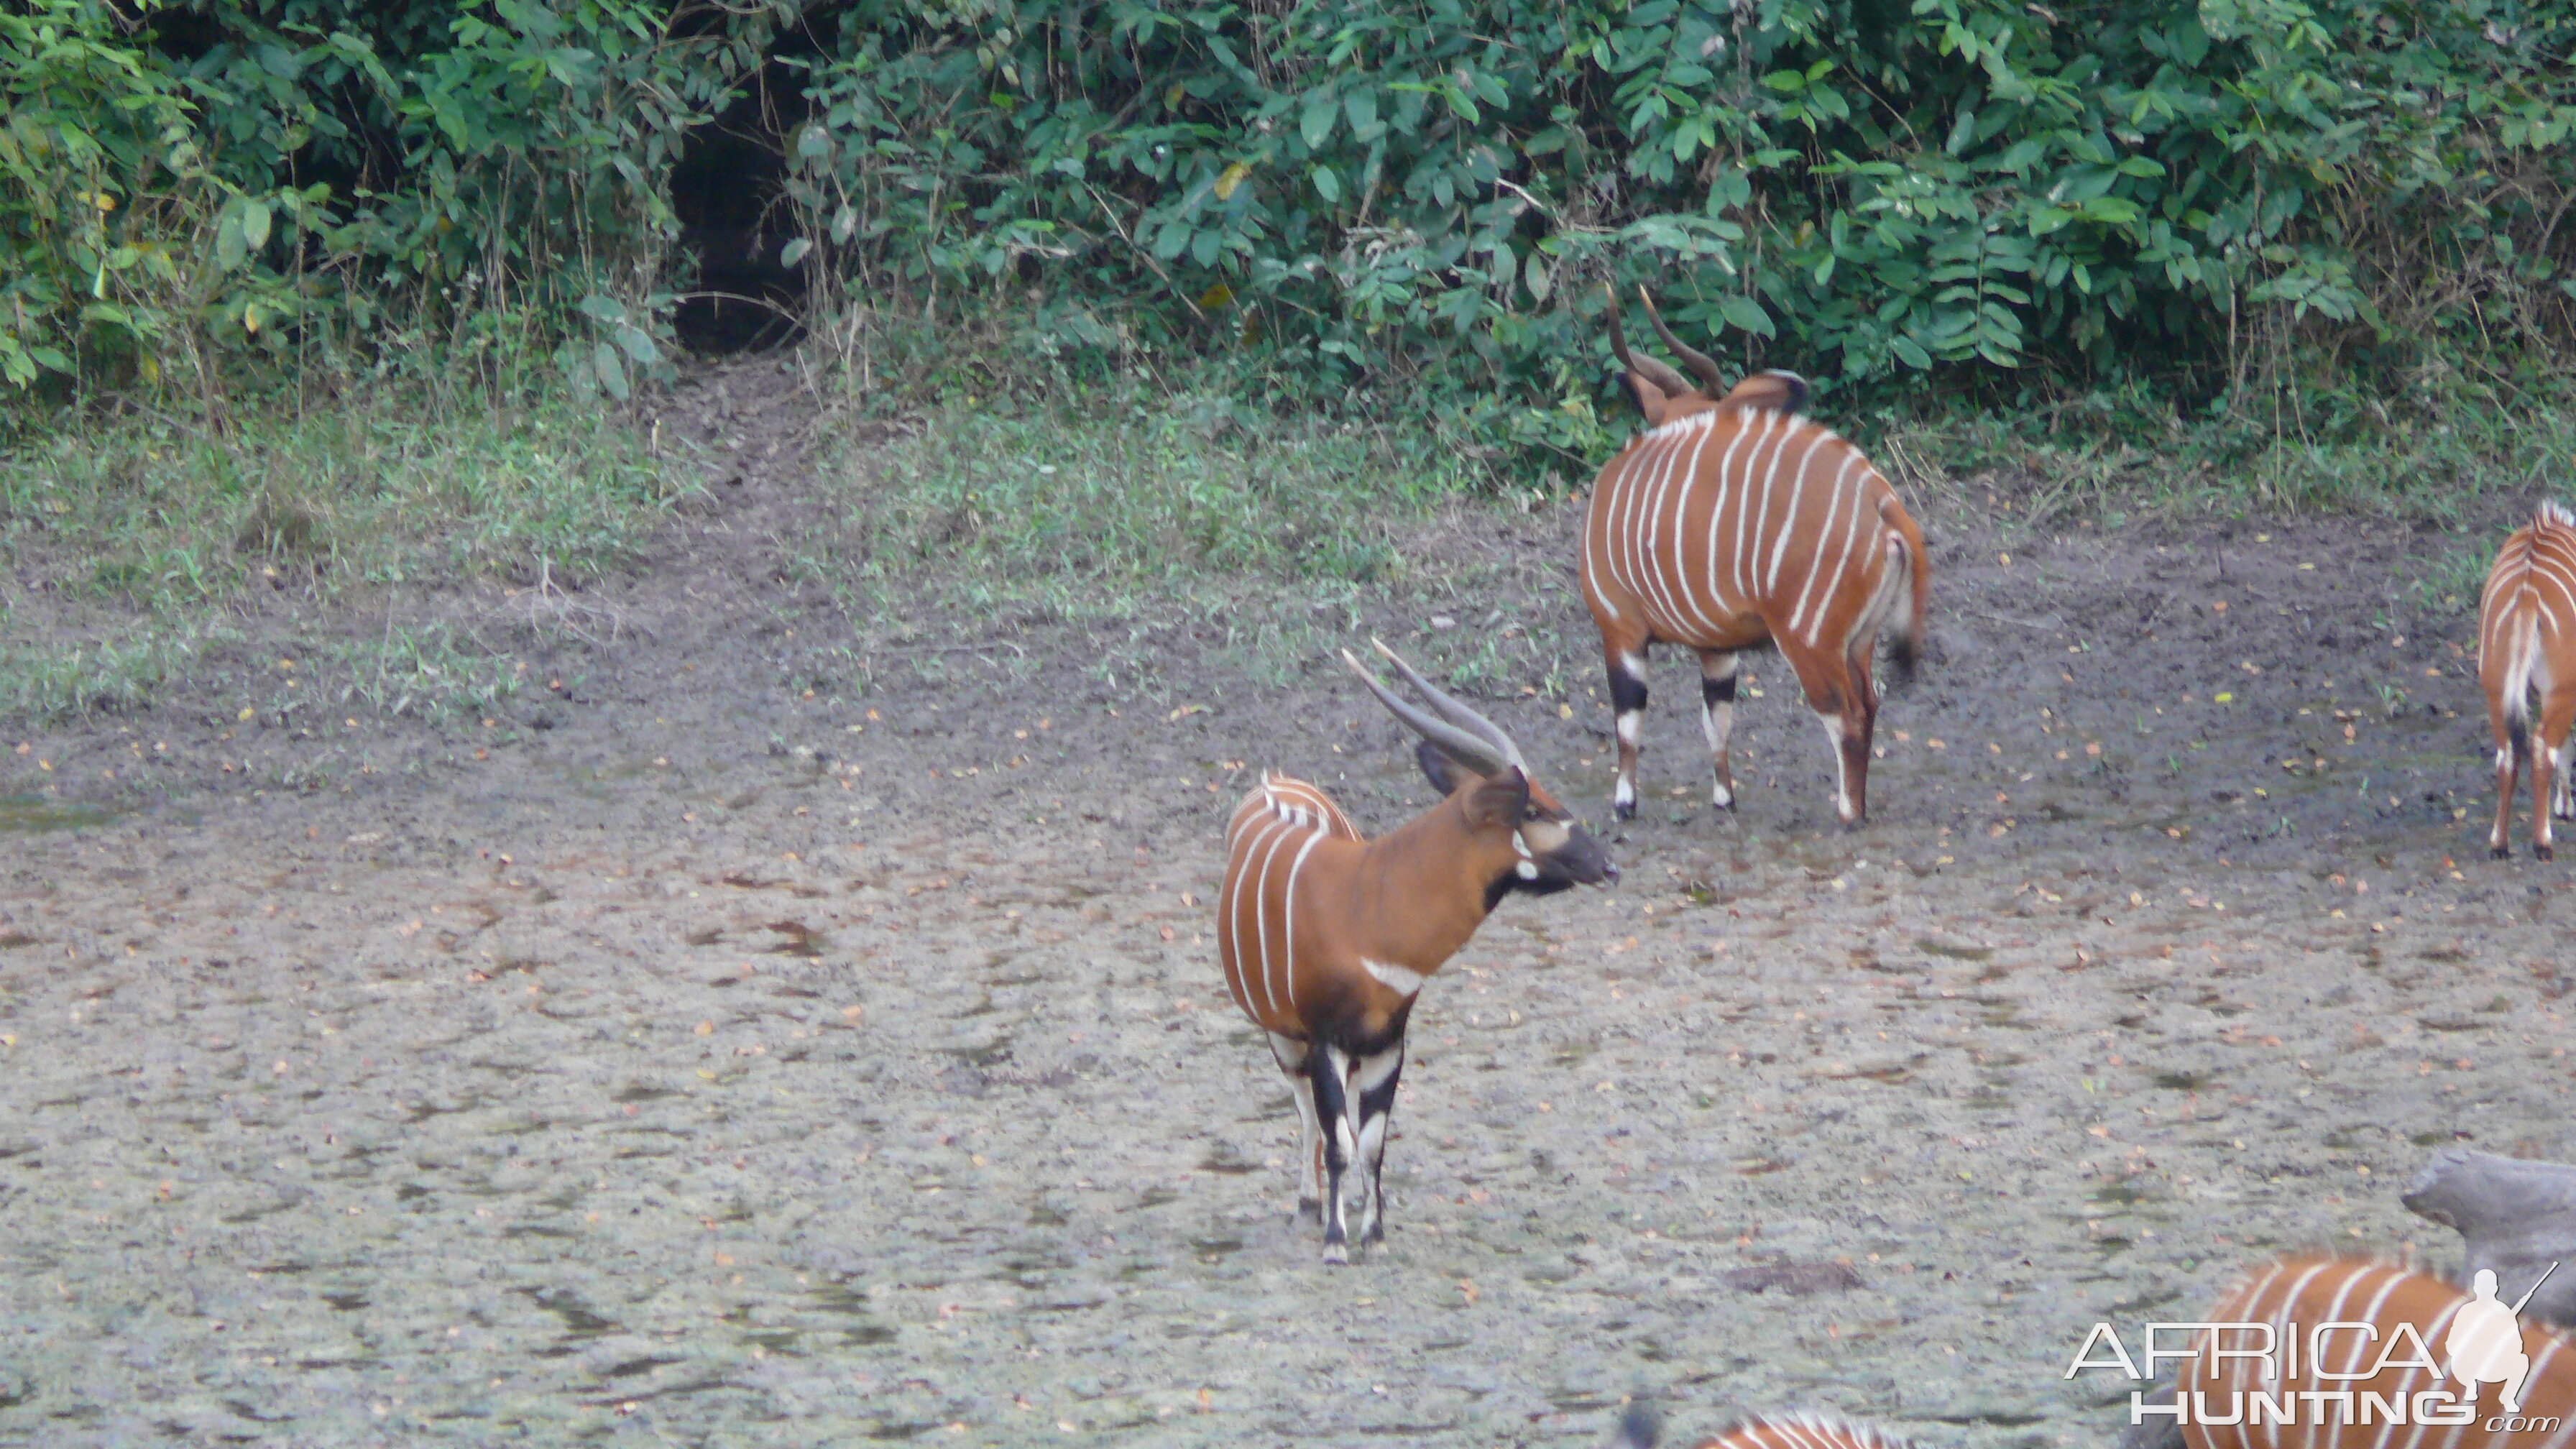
1326	938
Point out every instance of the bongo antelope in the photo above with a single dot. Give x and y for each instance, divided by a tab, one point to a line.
1326	937
2358	1353
2527	646
1733	523
1767	1431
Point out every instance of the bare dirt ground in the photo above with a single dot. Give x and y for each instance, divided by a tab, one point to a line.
684	1058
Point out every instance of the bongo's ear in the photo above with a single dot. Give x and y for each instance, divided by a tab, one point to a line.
1499	799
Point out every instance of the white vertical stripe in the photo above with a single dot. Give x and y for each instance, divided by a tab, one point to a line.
1261	914
1679	574
1749	512
1843	558
1623	531
1728	495
1288	908
1659	596
1798	496
1816	554
1594	593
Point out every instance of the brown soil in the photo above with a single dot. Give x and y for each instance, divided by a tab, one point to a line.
689	1056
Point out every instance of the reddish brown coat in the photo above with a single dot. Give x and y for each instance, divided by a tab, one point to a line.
1733	523
2527	647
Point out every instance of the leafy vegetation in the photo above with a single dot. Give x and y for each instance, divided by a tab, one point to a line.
2274	251
2284	207
331	186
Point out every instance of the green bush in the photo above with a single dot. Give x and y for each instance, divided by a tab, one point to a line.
1393	196
2310	219
339	184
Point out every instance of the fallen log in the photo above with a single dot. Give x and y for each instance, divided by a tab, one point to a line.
2514	1216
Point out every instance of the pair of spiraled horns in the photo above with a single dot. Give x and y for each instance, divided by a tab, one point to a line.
1470	738
1673	383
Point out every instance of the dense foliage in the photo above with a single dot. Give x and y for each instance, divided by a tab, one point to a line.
2177	202
2118	190
180	183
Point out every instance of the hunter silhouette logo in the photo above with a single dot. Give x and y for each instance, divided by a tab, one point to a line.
2336	1343
2485	1341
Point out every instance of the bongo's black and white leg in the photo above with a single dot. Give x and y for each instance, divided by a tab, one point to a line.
1839	735
1329	1069
1373	1083
1717	673
1628	699
1291	1055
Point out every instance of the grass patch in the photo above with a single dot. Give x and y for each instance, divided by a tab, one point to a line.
158	528
378	490
2436	455
433	671
118	670
1132	504
2451	583
1097	500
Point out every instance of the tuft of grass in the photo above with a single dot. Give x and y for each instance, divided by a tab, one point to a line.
432	671
113	672
2451	583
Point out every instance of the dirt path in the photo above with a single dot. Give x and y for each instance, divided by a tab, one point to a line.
719	1064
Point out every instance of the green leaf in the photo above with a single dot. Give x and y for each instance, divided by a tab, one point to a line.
2018	157
1361	107
795	250
639	346
1327	185
610	372
254	224
229	249
1745	314
1317	124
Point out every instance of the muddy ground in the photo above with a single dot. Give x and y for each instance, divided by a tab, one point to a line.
686	1059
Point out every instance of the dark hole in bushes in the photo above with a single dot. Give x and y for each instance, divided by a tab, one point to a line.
729	191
